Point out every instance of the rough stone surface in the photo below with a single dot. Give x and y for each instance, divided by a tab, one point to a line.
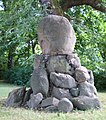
65	105
58	64
91	80
62	80
81	74
40	61
74	92
39	81
87	89
56	35
84	103
51	109
50	101
61	93
27	96
34	101
15	97
73	60
58	74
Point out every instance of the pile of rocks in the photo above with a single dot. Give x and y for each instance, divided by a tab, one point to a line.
58	82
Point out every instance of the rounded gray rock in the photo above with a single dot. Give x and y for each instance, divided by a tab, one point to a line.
50	101
87	89
62	80
73	60
85	103
81	74
15	97
61	93
34	100
65	105
58	63
74	92
56	35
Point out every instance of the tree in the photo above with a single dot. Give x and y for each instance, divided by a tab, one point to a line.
60	6
18	35
88	19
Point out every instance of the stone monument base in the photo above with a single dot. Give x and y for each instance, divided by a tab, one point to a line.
58	82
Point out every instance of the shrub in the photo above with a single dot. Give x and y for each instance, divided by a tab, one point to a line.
100	78
18	75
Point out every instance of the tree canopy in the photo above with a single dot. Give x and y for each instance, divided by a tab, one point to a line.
59	6
19	41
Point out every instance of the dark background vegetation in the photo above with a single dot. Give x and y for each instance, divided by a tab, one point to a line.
19	43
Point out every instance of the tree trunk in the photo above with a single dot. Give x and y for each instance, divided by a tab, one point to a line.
28	48
57	8
33	46
60	6
10	60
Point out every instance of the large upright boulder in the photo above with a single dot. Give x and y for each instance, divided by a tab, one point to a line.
39	81
56	35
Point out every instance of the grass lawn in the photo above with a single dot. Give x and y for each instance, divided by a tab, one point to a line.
23	114
5	89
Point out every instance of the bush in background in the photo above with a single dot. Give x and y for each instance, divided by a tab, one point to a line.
18	75
100	78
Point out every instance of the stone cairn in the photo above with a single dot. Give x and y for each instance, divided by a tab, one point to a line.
58	82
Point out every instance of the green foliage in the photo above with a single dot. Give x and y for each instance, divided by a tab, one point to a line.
100	78
18	33
19	75
9	113
19	41
90	28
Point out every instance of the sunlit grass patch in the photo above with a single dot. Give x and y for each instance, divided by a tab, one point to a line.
7	113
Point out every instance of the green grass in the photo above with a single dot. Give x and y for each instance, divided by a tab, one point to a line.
5	89
23	114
